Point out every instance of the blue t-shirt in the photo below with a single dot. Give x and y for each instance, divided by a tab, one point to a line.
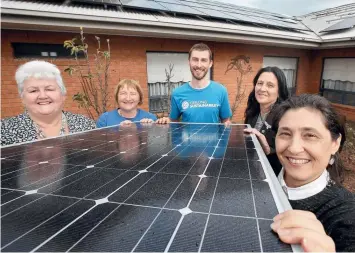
112	118
207	105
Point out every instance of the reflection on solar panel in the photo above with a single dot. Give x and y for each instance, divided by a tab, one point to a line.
209	9
178	187
344	24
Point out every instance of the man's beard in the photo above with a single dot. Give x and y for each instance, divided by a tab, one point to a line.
199	77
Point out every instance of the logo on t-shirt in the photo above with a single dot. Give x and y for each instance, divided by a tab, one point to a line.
185	105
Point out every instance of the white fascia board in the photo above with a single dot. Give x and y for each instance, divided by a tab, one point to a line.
337	44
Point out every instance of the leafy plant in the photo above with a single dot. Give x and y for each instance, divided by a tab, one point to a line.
93	75
242	66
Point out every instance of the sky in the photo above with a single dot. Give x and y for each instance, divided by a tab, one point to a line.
289	7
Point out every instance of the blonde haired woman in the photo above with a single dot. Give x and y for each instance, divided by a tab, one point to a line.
128	95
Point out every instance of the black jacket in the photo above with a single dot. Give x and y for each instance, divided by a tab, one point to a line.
335	209
270	137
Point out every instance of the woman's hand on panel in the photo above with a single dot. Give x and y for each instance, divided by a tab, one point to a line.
163	120
261	138
126	123
302	227
146	121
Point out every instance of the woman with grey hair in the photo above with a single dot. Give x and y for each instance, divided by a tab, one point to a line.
42	92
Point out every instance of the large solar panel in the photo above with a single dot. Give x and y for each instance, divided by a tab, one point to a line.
177	187
212	9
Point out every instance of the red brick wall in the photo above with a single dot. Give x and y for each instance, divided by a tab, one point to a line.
128	56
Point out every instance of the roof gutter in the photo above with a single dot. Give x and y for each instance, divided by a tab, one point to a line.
337	44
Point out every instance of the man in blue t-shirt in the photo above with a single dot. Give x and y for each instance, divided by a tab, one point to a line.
201	100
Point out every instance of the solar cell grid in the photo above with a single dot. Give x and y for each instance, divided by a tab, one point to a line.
177	187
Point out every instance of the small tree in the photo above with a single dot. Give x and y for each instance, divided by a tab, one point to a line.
169	75
241	65
93	76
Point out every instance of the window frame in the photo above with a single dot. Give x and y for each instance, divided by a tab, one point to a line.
321	82
48	48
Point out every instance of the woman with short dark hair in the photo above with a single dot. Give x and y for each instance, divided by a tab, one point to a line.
309	138
270	88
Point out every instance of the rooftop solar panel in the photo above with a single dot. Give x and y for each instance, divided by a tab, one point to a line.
218	12
143	4
344	24
112	2
212	9
179	8
177	187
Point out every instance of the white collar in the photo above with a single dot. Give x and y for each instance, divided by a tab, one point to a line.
304	191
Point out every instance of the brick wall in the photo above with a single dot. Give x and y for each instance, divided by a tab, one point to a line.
128	56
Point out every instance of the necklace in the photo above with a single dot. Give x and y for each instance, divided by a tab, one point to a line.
41	134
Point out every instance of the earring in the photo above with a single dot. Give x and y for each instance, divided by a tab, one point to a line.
332	160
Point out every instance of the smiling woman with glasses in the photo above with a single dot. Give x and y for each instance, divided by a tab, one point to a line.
43	93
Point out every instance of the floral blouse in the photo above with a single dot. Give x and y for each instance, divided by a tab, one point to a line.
21	128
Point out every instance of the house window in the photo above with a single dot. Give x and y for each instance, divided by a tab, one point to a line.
288	66
40	50
338	80
162	66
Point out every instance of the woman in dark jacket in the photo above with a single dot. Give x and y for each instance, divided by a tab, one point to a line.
308	141
270	88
